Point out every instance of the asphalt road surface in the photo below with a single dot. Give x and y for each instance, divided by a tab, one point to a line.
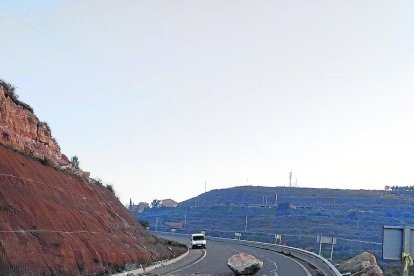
213	261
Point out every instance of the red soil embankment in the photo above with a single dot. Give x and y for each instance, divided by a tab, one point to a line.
52	223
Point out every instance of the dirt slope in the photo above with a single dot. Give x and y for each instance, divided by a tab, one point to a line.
52	223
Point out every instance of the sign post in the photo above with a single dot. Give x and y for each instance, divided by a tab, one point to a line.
237	236
326	240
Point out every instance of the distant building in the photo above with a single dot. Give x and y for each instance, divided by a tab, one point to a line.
169	203
286	206
175	225
139	208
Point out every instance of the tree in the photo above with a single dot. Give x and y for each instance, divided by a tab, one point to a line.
156	203
75	162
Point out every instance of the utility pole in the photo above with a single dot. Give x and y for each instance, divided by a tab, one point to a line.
276	199
320	249
156	224
266	201
290	180
185	221
406	245
245	225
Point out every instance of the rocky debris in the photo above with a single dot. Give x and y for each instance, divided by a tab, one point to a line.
365	264
82	174
21	130
244	264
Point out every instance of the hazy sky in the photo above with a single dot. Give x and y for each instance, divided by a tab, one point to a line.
156	97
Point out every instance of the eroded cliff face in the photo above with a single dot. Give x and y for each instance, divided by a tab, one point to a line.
23	131
55	220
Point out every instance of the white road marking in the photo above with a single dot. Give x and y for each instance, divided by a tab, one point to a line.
205	254
274	270
302	266
274	263
233	249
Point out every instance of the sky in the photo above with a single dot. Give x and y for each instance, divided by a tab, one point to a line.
162	97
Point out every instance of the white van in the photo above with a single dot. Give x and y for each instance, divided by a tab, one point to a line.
198	241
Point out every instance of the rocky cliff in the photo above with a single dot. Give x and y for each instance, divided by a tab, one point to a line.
53	222
20	129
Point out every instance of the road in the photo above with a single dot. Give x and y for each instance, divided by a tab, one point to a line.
213	261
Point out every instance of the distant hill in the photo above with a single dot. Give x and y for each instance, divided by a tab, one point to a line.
355	217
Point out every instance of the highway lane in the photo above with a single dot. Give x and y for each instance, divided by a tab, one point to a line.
213	261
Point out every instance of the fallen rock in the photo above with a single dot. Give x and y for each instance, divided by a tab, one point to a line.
373	271
244	264
365	264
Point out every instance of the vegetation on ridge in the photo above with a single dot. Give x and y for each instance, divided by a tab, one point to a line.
75	162
10	91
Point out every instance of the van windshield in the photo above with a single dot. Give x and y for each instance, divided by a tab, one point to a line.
198	238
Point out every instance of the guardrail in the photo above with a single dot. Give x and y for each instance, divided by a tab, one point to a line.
322	264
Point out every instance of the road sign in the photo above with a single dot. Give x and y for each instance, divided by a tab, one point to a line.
237	235
278	239
326	240
396	241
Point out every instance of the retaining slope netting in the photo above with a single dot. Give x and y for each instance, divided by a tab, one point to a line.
67	226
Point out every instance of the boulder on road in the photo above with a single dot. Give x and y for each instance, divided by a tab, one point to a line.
361	265
244	264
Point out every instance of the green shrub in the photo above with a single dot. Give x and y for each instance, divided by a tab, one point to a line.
144	223
75	162
110	188
119	268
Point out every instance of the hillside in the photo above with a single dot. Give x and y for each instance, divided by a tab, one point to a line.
54	222
22	130
355	217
